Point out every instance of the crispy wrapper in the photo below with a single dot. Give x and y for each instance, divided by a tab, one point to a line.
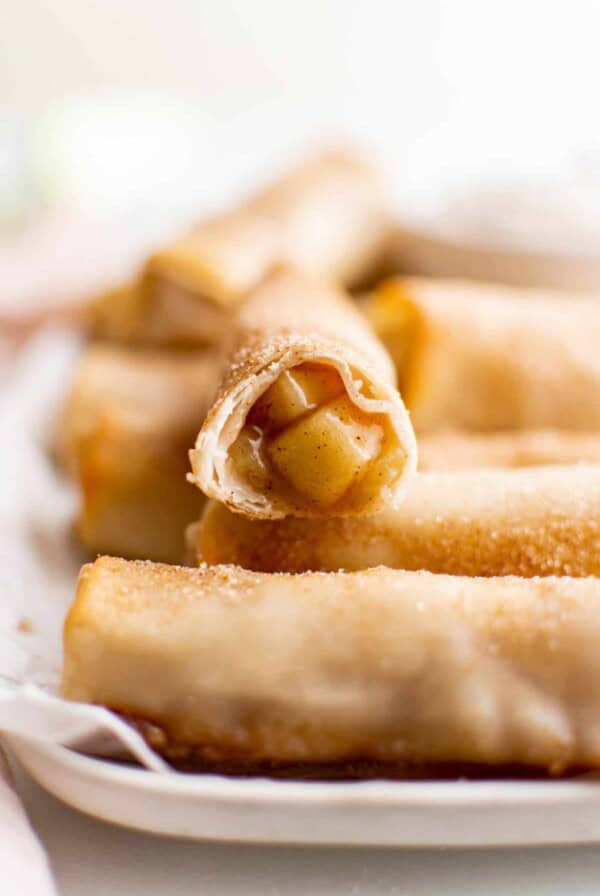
538	521
127	428
307	421
454	450
224	664
479	357
327	216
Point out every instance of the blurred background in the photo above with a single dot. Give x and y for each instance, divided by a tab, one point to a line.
122	120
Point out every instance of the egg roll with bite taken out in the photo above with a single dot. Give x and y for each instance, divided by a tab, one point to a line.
307	421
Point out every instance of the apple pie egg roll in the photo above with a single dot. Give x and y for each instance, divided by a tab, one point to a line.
459	450
223	664
479	357
327	217
126	432
536	521
307	421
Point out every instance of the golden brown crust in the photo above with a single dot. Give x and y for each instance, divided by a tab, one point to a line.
488	358
382	665
531	522
126	431
147	388
135	500
207	760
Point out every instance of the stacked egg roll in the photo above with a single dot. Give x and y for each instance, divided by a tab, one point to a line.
307	420
126	431
327	216
478	357
536	521
344	608
407	667
446	450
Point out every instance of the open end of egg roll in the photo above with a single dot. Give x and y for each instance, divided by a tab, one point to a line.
135	501
398	322
481	357
126	430
159	310
308	421
326	216
175	312
313	444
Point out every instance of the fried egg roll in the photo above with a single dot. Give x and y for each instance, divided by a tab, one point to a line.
478	357
327	217
538	521
308	421
225	664
453	450
127	429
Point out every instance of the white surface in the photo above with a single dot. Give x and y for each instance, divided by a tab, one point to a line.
433	252
91	858
39	719
447	82
41	562
24	865
378	813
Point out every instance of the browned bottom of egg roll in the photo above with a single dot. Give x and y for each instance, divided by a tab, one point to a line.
537	521
383	665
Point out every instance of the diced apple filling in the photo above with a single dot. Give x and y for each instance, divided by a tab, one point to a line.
295	393
247	456
305	434
322	455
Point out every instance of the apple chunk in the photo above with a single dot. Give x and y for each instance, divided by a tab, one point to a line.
295	393
323	454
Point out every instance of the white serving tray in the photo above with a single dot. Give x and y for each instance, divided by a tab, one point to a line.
373	813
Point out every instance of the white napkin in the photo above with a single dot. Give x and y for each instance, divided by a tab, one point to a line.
23	863
39	562
34	715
